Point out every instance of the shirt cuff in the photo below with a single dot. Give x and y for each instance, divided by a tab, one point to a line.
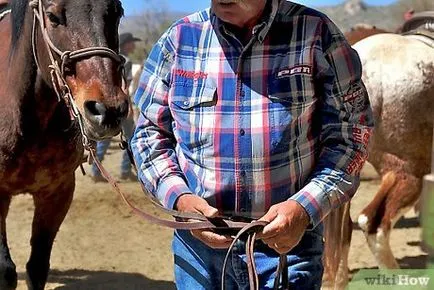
170	189
315	201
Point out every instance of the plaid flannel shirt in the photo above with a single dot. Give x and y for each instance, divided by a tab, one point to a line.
246	126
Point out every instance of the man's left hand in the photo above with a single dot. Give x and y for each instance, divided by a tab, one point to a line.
287	224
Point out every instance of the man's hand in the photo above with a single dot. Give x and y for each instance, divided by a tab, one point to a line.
287	224
195	204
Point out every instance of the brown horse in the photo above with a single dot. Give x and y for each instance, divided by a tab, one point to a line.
40	145
361	31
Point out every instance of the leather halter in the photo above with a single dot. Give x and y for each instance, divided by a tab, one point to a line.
57	70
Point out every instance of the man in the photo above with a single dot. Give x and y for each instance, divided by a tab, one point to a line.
127	44
253	109
408	14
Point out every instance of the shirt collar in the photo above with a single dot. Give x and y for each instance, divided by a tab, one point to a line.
262	28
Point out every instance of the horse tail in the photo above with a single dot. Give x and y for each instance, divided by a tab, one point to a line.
337	234
338	230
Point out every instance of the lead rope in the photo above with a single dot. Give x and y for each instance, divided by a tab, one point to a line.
251	230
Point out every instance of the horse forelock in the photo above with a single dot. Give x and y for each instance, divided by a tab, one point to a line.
86	8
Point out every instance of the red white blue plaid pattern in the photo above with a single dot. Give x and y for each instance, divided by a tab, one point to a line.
285	116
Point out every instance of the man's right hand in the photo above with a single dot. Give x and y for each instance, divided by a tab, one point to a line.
195	204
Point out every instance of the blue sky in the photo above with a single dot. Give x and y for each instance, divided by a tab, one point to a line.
189	6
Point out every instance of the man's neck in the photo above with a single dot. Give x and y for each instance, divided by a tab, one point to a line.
244	33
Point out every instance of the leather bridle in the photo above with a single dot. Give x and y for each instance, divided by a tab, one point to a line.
57	69
182	221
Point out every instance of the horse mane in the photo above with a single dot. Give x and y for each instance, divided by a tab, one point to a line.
18	14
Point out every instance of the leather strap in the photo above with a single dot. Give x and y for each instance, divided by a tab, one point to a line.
191	221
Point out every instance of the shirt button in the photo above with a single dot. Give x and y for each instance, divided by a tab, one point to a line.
186	103
242	132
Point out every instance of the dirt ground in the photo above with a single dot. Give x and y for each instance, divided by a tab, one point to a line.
102	246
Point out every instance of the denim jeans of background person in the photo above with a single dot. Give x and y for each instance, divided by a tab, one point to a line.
127	46
253	109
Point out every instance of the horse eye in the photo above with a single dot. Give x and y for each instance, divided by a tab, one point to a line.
55	21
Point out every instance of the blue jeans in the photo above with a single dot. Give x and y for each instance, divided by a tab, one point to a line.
102	147
199	267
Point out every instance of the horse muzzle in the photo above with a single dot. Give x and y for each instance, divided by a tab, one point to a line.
102	121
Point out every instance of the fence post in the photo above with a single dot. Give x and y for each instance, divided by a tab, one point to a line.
428	213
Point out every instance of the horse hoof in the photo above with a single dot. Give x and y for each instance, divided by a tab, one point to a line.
8	277
36	275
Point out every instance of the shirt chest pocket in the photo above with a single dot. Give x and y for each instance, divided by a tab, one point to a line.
295	91
291	102
192	106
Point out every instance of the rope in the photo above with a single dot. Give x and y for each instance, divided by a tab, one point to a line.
34	4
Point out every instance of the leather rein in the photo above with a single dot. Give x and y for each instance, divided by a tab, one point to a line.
182	221
193	221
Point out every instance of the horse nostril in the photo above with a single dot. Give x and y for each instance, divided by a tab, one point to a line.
95	110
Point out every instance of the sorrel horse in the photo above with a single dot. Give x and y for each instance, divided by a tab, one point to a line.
361	31
398	72
52	50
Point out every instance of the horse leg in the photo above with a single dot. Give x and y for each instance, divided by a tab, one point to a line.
50	210
8	274
378	219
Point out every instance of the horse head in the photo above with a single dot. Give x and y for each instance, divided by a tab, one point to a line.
76	45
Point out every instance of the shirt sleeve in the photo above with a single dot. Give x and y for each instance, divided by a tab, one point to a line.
153	143
346	126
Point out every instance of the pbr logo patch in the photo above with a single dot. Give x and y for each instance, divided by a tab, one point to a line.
356	99
296	70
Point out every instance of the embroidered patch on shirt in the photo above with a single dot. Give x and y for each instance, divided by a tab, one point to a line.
357	163
355	98
191	74
296	70
362	135
353	93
